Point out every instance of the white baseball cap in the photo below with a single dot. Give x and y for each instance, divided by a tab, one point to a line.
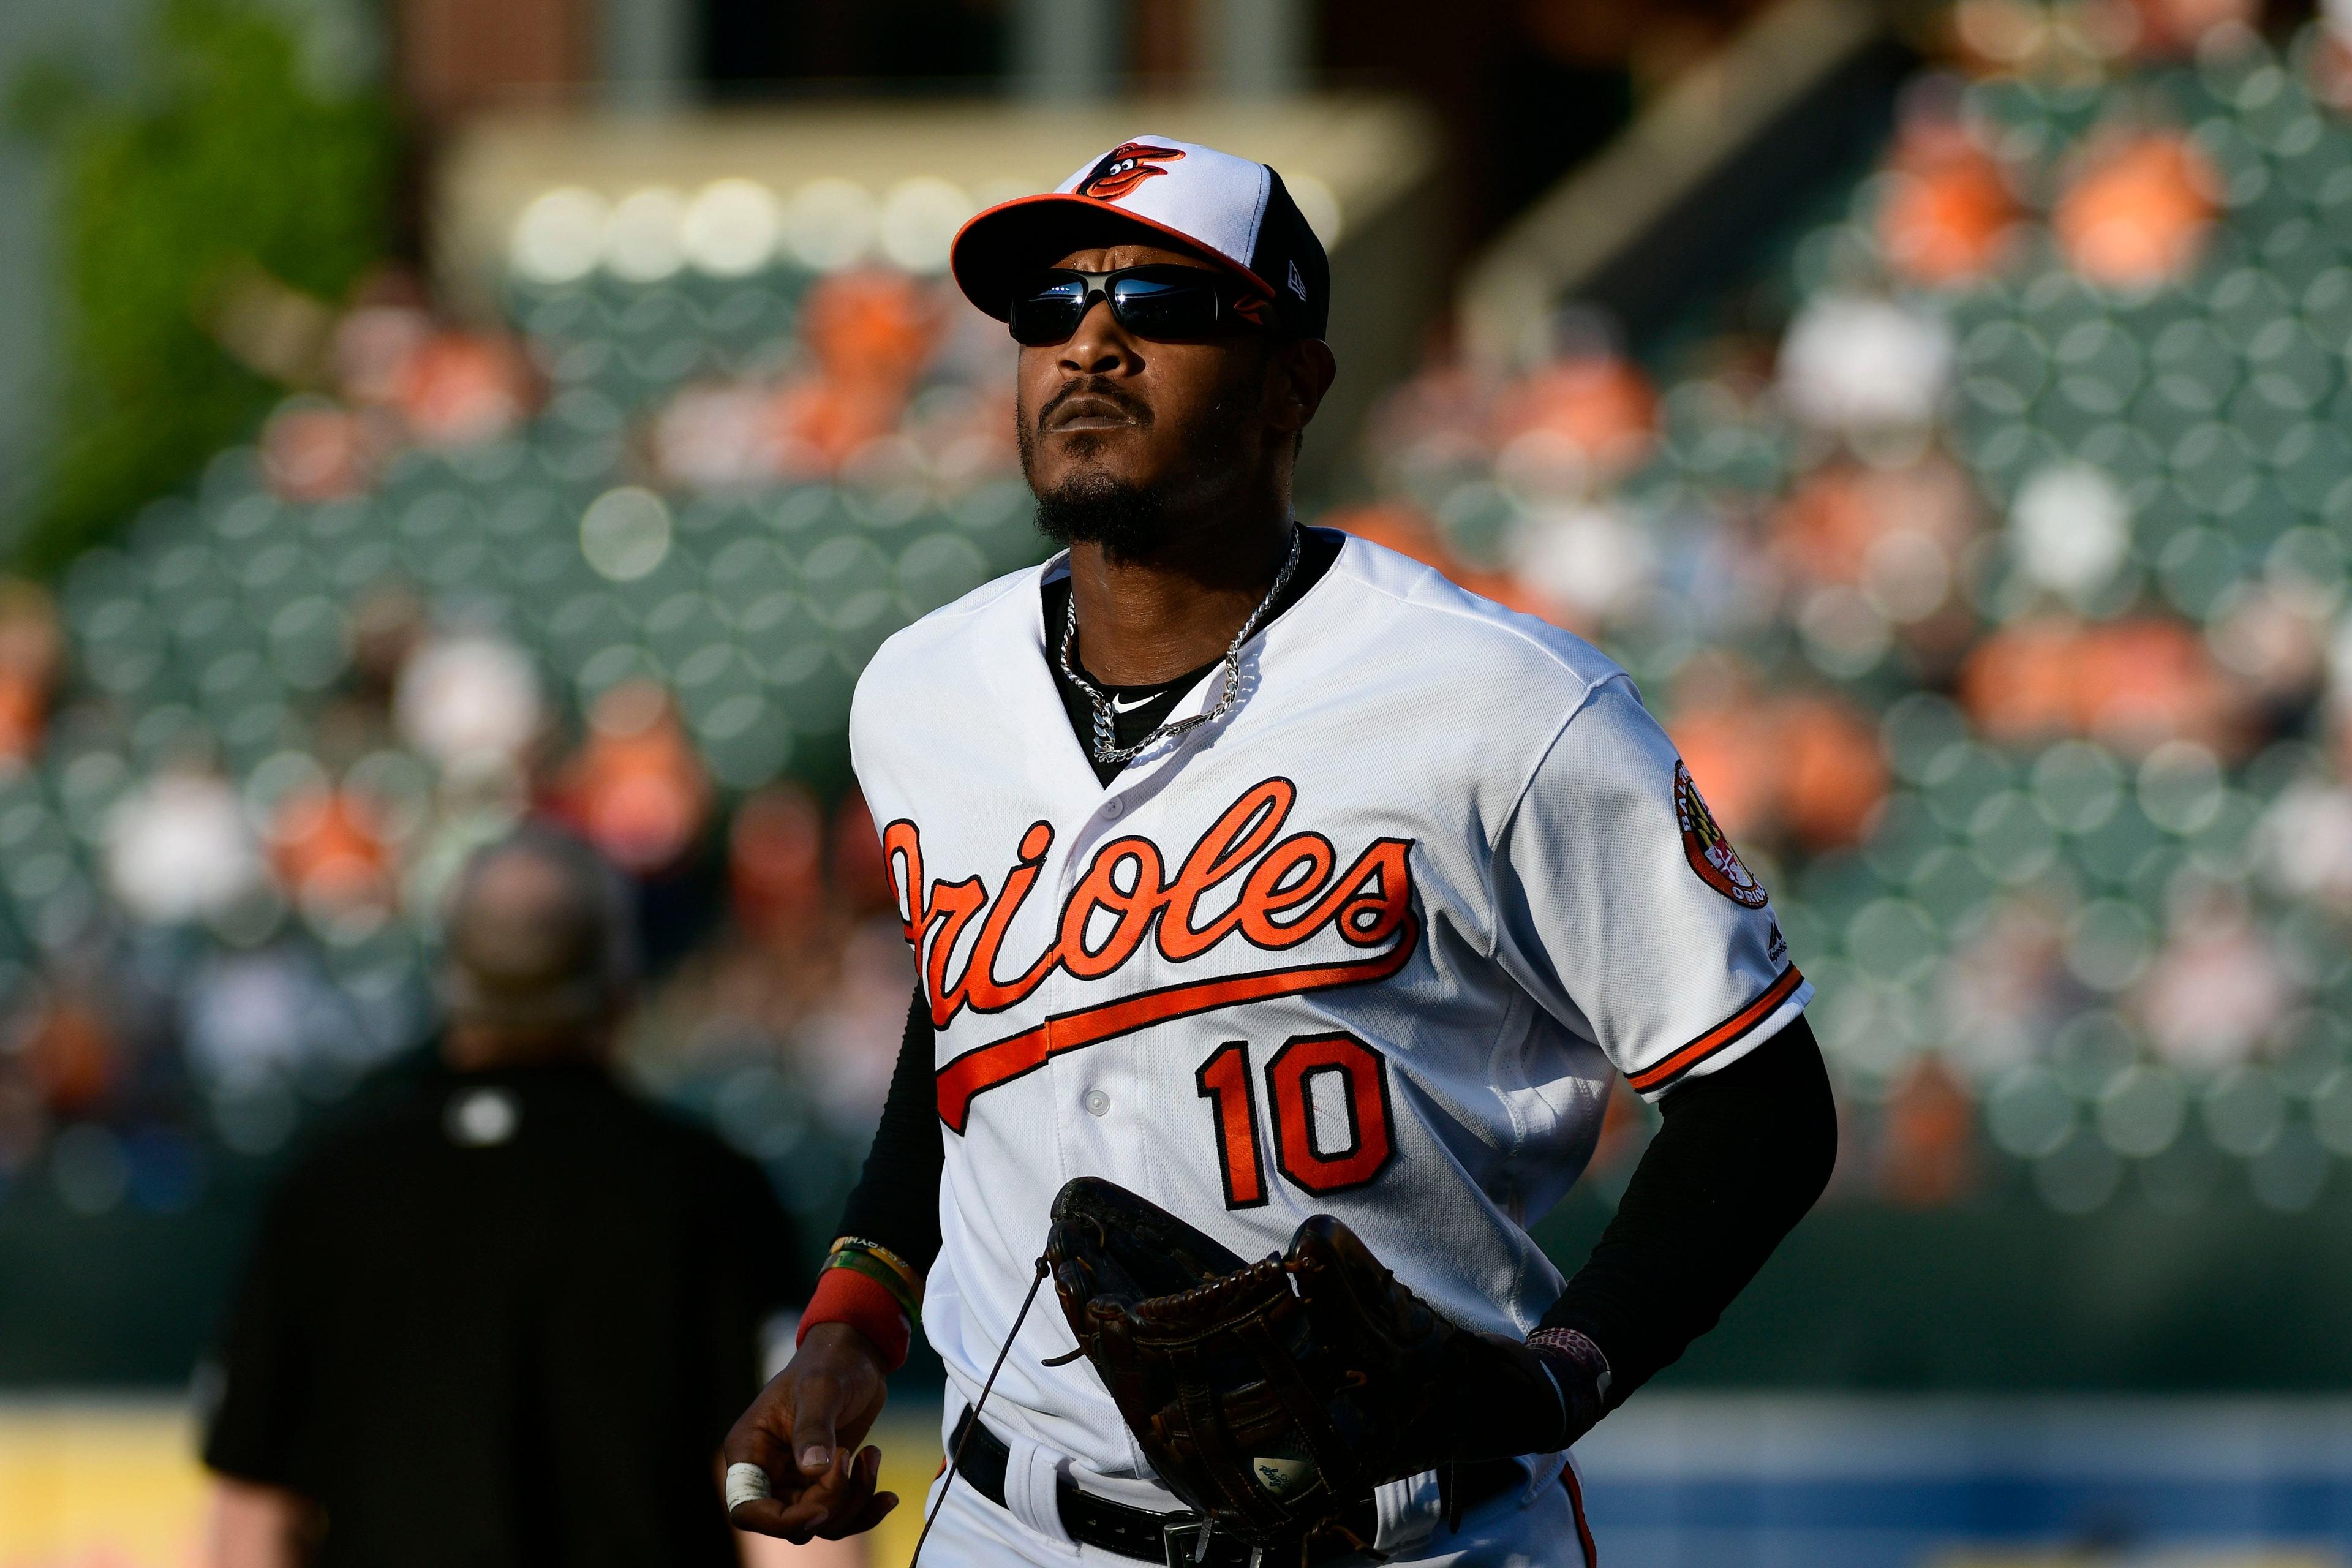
1229	209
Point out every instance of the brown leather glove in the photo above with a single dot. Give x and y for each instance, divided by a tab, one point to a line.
1270	1396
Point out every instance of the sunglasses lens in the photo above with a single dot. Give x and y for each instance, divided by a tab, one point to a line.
1049	312
1179	304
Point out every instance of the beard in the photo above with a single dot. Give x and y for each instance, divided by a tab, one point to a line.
1095	507
1129	521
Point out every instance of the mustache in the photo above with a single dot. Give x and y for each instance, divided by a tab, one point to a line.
1127	403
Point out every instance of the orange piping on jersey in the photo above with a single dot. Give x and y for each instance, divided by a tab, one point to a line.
1576	1504
985	1067
1724	1034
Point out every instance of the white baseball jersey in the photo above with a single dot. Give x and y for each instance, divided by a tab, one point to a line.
1372	944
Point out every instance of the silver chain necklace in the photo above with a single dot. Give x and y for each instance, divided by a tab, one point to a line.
1106	750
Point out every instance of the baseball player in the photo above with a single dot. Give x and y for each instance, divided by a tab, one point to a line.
1264	873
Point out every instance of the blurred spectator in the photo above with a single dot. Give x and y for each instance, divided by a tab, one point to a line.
2216	989
1408	531
862	879
2004	993
2070	530
1798	768
1896	533
1589	564
313	451
2176	28
2331	56
1927	1149
388	624
2270	639
1851	362
1581	422
1949	217
2133	684
458	389
23	1119
71	1053
505	1313
179	850
637	789
2306	844
776	867
851	1042
873	327
449	389
470	701
727	436
388	322
2138	211
1833	778
329	853
31	649
247	1017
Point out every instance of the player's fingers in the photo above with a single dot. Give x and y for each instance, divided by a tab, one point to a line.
859	1508
856	1490
875	1510
813	1427
772	1453
766	1516
824	1502
812	1435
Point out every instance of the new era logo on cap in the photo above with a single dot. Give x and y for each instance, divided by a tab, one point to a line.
1229	208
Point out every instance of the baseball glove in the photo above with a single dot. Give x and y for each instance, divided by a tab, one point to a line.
1271	1397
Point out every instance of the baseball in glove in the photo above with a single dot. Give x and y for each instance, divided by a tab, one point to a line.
1271	1397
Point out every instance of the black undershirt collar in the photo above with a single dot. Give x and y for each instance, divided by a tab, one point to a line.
1137	710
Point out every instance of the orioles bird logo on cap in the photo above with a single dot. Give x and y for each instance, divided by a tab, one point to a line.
1124	167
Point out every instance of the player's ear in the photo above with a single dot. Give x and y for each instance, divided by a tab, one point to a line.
1300	372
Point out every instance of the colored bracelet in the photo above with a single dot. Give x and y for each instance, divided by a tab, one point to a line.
882	1266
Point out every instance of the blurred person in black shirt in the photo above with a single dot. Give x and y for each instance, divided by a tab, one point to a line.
505	1312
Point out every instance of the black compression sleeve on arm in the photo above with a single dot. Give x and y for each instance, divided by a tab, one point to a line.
897	1200
1741	1155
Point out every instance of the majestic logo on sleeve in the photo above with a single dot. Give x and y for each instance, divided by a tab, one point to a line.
1241	883
1710	853
1124	167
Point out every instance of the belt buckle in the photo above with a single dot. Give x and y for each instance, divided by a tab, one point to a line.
1184	1543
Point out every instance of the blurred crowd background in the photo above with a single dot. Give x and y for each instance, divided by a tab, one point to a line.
410	421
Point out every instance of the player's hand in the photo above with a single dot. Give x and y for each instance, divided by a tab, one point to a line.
805	1430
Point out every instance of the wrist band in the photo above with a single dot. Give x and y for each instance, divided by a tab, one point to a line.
882	1266
852	1297
1579	1348
1585	1403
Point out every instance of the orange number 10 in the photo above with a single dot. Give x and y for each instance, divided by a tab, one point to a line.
1352	1070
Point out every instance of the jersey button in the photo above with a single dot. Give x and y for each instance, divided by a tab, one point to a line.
1114	808
1097	1103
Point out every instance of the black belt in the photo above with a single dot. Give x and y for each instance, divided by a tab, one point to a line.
1174	1538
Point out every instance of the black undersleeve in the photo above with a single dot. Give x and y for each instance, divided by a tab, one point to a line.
897	1200
1739	1157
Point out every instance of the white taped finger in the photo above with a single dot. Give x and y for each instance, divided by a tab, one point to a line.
746	1483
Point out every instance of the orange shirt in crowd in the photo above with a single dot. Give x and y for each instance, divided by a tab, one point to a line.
2138	213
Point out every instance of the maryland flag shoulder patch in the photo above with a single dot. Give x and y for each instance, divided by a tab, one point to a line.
1709	852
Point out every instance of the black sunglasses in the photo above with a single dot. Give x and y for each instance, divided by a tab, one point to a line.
1163	302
